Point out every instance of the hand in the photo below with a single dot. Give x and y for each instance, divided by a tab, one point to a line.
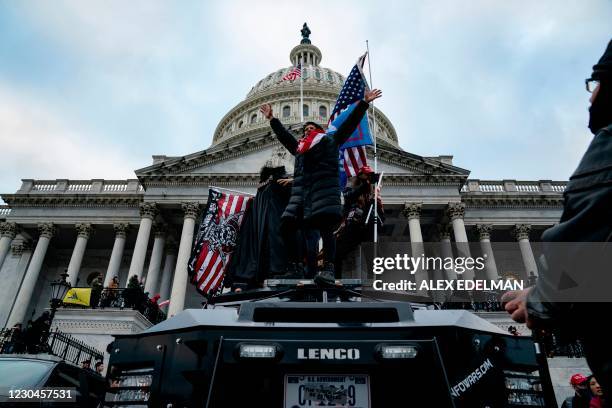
266	109
371	95
285	182
516	305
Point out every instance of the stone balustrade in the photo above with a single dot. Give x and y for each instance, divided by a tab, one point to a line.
63	186
5	210
513	186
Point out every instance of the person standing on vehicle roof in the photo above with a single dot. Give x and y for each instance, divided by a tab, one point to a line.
314	203
357	221
586	218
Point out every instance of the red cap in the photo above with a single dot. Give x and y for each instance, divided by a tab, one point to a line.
366	170
577	379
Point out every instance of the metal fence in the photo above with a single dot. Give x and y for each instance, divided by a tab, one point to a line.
71	349
68	348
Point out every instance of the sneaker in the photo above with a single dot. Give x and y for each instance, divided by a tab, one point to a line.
326	276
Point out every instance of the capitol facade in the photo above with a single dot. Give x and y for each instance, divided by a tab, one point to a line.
145	226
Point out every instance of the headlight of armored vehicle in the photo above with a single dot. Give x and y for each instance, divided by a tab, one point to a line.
397	351
257	350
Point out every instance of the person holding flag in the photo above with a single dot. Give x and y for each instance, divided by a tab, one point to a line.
314	204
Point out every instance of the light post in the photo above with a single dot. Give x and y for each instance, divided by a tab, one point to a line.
59	288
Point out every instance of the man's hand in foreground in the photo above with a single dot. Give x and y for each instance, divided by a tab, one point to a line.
515	303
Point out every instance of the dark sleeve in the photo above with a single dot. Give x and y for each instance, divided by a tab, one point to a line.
283	136
352	194
568	247
346	129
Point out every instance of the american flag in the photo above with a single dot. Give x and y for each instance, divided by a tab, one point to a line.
294	74
216	239
352	152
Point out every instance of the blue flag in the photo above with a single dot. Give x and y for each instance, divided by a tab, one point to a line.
352	152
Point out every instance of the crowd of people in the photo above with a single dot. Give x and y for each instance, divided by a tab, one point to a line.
132	297
30	339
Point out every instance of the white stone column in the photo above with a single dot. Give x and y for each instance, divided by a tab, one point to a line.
484	235
8	230
24	297
152	282
521	233
179	284
446	248
412	211
117	254
74	267
168	272
147	212
456	211
20	248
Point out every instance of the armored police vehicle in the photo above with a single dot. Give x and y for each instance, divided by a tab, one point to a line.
297	345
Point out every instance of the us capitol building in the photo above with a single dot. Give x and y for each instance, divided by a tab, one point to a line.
144	226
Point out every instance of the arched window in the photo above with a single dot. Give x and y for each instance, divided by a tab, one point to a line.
254	118
240	124
286	111
305	110
323	111
317	74
329	77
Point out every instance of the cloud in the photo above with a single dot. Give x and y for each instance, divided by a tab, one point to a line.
497	84
38	142
111	28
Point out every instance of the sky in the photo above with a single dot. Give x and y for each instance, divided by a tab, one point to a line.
93	89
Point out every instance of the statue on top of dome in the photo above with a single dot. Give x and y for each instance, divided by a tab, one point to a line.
305	34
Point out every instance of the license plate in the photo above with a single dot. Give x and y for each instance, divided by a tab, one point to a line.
329	390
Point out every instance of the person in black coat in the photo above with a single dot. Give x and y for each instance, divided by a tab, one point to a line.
260	252
586	222
314	204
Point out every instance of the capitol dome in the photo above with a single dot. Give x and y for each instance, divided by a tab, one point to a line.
321	87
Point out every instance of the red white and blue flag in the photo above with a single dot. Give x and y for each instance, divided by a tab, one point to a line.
294	74
216	239
352	152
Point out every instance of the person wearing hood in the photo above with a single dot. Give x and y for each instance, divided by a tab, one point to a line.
314	204
586	218
260	252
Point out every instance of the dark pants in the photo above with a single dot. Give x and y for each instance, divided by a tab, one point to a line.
312	237
294	238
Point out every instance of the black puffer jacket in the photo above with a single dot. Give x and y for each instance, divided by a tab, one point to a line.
315	195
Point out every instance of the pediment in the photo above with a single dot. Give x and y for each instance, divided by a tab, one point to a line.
249	156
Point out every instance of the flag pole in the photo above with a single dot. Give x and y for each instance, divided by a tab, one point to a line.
301	93
375	156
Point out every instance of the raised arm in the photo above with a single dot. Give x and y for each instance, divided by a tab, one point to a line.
346	129
282	134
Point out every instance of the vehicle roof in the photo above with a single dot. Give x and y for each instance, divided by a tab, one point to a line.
229	317
49	358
